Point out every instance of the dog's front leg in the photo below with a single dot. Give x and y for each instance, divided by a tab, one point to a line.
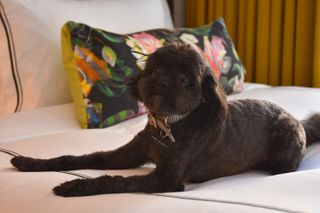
154	182
130	155
167	177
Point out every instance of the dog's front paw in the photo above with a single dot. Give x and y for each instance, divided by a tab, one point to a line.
24	164
73	188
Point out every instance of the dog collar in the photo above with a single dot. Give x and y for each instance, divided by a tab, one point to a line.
163	123
175	118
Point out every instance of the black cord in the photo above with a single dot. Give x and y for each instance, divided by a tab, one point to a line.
9	152
76	174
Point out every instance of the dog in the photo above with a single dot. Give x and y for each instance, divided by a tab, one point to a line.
193	134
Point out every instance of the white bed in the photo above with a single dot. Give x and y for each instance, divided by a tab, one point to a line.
54	130
50	130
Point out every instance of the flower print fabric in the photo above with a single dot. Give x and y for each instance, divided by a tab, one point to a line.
142	44
104	62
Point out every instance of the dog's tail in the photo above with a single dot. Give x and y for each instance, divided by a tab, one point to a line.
312	128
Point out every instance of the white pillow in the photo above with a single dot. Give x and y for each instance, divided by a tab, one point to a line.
31	69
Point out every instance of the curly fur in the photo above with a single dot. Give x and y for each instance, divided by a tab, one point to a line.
218	138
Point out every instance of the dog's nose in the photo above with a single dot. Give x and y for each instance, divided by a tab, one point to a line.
162	84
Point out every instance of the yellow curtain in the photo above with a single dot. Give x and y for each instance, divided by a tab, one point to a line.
277	40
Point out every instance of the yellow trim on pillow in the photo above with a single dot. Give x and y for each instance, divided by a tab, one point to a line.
69	61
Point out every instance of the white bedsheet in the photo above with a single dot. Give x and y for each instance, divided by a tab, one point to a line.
52	131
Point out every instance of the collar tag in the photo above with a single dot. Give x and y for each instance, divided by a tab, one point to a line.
152	120
163	125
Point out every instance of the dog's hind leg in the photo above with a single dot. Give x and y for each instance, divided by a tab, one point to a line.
288	143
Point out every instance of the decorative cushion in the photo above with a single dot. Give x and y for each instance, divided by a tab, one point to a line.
31	71
100	63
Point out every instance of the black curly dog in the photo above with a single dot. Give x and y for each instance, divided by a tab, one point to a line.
193	133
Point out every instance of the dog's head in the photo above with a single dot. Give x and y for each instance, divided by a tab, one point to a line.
176	80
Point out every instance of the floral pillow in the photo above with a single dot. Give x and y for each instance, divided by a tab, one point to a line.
99	64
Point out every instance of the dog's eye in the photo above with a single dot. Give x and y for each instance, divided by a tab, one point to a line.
157	71
183	80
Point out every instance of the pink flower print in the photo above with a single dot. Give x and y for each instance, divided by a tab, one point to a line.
218	53
143	44
147	42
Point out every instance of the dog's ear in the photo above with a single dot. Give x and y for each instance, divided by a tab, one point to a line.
213	94
133	86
